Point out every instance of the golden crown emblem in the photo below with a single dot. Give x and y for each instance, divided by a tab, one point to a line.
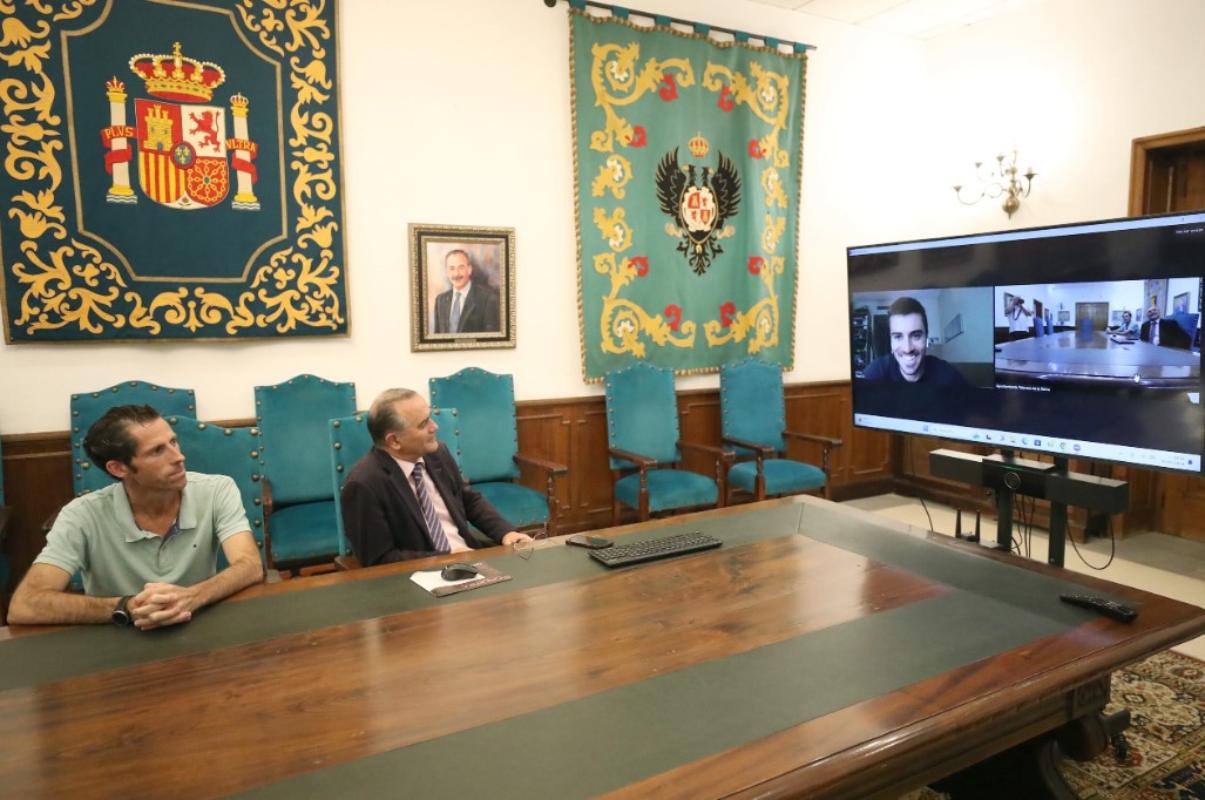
177	76
698	146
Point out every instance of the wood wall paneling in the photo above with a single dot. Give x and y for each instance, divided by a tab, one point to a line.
37	482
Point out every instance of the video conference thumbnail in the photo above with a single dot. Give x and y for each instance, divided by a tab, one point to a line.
1121	334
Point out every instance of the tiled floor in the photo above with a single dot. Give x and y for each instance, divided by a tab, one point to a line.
1154	562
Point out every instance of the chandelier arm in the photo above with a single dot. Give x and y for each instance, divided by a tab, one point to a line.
958	194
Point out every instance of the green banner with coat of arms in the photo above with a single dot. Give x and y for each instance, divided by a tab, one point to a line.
171	170
688	177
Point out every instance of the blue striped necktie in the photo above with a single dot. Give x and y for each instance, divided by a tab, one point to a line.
434	528
455	321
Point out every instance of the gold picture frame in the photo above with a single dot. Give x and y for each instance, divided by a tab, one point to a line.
462	287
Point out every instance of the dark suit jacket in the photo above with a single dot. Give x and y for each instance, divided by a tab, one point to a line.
479	315
1170	334
381	515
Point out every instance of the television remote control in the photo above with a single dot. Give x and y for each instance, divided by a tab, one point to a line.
1110	608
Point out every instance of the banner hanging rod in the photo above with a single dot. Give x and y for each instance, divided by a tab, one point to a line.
622	12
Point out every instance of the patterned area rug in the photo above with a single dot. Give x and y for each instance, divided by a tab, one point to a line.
1166	758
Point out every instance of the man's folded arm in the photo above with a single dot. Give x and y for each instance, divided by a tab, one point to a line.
42	599
246	568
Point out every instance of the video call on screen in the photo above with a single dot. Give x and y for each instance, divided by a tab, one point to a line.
1079	339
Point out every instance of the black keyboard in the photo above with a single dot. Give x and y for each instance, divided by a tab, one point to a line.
623	554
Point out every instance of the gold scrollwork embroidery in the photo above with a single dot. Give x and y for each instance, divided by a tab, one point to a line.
766	94
761	319
617	83
614	228
70	285
612	177
622	321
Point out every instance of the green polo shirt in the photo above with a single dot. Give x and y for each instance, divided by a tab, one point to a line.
96	535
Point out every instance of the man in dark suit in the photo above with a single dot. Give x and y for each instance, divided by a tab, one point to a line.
469	306
1163	332
406	497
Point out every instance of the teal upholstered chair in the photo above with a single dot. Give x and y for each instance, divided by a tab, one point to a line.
88	407
5	513
753	421
489	439
300	520
642	434
447	420
350	440
226	451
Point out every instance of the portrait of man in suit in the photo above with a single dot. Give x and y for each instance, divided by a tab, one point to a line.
470	304
463	287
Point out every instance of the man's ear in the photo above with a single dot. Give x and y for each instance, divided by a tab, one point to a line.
117	469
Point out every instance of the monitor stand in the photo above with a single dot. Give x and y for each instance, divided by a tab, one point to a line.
1010	476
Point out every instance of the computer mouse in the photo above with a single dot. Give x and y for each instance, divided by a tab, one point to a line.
458	572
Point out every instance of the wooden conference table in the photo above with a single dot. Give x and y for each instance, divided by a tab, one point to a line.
1099	358
821	652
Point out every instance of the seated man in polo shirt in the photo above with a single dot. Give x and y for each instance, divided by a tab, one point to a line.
147	545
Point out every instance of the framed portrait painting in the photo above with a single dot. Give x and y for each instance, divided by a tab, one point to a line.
462	287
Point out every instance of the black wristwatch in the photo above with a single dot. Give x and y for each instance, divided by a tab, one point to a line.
121	614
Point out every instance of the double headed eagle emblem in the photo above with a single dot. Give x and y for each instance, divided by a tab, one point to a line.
698	200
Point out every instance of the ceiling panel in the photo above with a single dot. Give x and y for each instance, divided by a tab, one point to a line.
919	19
854	12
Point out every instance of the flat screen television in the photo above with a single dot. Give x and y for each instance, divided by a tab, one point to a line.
1078	340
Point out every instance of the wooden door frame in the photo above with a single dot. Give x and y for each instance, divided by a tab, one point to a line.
1139	151
1149	489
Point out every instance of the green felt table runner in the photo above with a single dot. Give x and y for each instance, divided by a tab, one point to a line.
602	742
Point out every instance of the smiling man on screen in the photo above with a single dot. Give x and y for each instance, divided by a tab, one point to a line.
907	362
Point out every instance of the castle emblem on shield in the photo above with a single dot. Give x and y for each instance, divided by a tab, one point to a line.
179	143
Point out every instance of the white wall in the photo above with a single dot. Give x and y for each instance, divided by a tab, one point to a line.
458	112
975	341
1070	83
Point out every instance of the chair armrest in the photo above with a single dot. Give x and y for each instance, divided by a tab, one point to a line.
48	523
548	466
718	453
5	514
644	462
813	437
762	449
266	495
828	444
